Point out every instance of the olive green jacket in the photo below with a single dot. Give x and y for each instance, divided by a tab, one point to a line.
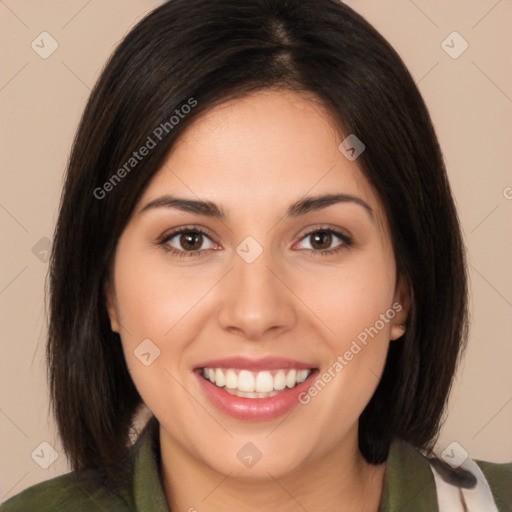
409	485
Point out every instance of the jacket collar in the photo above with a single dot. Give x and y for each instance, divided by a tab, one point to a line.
148	493
408	482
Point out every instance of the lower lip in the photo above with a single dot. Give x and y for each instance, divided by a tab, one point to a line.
254	409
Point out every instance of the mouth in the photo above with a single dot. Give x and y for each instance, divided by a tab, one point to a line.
254	390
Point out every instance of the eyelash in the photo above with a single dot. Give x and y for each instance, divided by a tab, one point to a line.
175	252
346	242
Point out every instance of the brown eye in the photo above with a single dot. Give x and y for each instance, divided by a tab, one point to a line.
325	241
191	241
188	241
321	240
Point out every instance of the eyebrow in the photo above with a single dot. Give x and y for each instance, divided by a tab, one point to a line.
209	209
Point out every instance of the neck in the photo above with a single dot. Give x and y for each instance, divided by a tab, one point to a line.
339	480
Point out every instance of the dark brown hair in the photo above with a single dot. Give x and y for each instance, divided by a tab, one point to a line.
211	50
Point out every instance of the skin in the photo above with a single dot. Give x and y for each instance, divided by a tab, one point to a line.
253	157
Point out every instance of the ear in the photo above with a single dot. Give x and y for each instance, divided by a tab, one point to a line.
402	306
110	303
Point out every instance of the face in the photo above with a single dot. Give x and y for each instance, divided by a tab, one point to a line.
259	257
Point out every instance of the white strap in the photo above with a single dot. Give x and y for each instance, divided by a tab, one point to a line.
478	499
448	496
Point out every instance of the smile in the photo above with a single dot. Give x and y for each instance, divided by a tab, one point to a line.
254	390
247	384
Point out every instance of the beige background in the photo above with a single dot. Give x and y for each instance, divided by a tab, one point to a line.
470	99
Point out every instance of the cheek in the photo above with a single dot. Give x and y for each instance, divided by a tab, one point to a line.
156	312
351	298
158	307
154	298
355	303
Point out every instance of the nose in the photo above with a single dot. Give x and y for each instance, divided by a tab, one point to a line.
256	300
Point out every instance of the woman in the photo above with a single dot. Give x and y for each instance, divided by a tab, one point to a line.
258	242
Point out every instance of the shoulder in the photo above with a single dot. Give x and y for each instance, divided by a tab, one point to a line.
85	490
77	491
499	478
426	483
478	484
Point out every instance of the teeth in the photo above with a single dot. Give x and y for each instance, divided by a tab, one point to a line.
291	378
220	380
254	384
231	379
246	381
264	382
280	380
302	375
245	394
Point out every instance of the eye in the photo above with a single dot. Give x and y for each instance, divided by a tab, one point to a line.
187	240
325	241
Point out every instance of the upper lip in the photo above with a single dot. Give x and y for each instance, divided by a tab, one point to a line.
265	363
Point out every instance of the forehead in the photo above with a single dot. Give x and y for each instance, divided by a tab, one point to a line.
265	150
